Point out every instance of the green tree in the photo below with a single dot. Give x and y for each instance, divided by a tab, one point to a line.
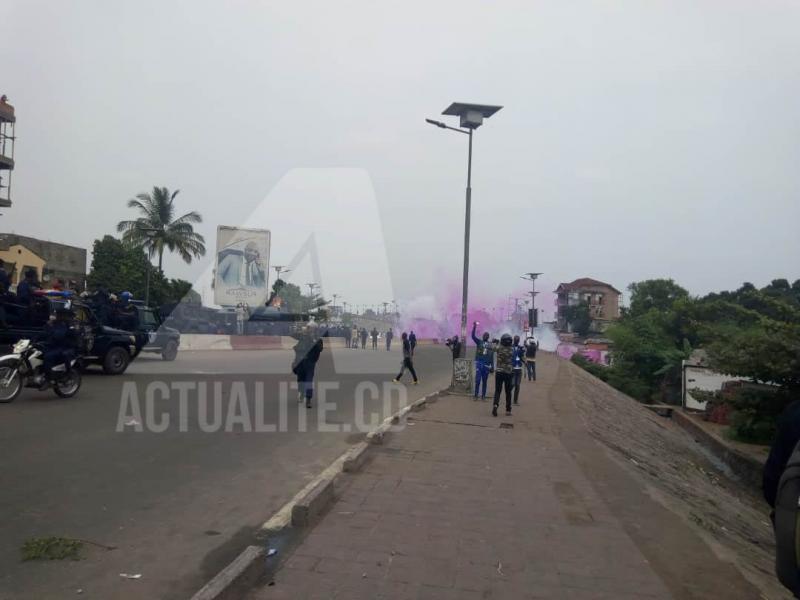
647	357
654	293
118	267
292	298
158	228
578	318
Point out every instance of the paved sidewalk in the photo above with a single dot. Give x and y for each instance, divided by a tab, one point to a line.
458	507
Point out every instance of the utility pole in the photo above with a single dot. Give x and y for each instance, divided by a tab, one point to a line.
280	269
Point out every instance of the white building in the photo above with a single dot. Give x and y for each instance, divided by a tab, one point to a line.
696	374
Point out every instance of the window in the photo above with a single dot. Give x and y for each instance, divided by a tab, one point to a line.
148	319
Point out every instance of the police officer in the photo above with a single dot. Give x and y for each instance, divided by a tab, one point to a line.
61	342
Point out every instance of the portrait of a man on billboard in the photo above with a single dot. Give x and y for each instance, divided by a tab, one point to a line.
242	263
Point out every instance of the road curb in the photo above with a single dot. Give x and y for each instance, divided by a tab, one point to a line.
357	455
313	503
236	578
239	576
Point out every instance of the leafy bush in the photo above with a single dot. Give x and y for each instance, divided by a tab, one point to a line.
584	363
754	410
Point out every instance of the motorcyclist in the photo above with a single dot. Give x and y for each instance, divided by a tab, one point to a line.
61	340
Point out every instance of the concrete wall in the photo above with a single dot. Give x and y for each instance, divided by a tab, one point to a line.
701	378
205	341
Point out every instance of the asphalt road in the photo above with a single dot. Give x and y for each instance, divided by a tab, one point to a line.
178	504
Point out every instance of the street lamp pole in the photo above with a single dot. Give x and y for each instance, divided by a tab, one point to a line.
278	270
465	280
532	278
471	117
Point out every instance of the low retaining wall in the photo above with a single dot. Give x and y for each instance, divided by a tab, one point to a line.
201	341
749	469
206	341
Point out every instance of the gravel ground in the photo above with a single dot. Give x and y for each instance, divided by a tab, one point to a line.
685	477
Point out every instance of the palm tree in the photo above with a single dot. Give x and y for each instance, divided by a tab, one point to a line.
158	228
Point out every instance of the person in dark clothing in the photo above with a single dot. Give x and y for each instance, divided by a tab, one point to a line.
61	341
26	287
101	304
364	336
348	336
786	438
454	343
483	361
531	346
306	355
374	335
408	363
5	294
389	336
517	359
412	340
504	373
124	315
5	280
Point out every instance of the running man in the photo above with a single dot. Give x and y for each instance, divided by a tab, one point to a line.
407	361
517	360
531	346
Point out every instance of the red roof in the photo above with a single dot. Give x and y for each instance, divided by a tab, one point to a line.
584	282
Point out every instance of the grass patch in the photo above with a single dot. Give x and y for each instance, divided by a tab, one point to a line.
51	548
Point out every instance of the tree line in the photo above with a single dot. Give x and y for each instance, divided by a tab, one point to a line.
749	333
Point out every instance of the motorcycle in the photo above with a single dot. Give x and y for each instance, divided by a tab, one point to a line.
25	368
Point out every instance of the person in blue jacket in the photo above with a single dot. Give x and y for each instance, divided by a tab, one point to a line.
484	357
517	362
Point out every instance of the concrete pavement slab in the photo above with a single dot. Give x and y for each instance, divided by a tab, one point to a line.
456	506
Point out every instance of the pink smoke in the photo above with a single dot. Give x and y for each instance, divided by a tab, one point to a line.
439	315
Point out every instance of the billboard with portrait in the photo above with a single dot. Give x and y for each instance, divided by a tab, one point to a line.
242	266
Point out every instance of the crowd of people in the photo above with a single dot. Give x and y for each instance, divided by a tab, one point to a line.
509	358
355	337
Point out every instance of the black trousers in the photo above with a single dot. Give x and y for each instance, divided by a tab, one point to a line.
517	380
407	364
503	380
530	366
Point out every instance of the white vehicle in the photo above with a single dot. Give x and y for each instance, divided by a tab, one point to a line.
25	368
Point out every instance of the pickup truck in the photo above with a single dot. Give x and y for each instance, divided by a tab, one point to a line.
108	347
153	336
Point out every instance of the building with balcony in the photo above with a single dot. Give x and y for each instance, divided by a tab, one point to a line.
7	137
602	299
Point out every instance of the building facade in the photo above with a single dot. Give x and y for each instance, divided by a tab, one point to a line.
602	299
50	260
7	138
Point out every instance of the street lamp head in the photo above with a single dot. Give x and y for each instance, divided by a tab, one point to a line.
437	123
471	115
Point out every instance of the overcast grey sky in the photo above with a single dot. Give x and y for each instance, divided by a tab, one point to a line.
638	139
